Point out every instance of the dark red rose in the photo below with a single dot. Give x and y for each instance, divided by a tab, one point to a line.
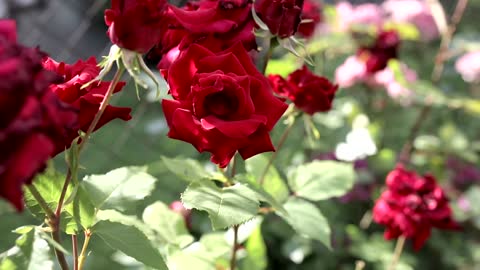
214	24
32	119
87	101
221	103
376	56
136	25
311	16
281	16
309	92
411	206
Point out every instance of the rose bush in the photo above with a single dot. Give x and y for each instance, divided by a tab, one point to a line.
221	103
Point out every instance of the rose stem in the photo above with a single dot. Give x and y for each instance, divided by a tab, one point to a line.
233	260
435	77
75	251
83	254
274	155
55	223
41	201
397	253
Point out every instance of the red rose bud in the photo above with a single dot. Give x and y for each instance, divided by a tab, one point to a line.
136	25
214	24
309	92
385	47
33	120
310	18
281	16
411	206
221	103
87	101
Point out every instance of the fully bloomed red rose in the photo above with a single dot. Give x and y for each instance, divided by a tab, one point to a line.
87	101
376	56
411	206
136	25
214	24
33	121
309	92
311	16
281	16
221	103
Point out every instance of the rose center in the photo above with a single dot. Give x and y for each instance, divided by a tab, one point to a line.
220	104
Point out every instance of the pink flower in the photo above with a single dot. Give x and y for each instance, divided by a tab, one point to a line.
469	66
350	72
348	15
411	206
395	89
415	12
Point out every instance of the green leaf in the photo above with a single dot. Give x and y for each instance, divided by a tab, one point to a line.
273	182
78	214
119	189
122	233
307	220
321	180
31	253
225	206
187	169
168	226
257	252
261	194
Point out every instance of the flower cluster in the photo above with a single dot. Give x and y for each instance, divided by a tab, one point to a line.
411	206
221	102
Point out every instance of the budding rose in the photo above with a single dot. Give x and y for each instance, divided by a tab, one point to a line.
87	100
33	121
136	25
221	103
411	206
309	92
281	16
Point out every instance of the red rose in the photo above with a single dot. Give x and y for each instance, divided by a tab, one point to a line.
385	47
411	206
281	16
136	25
309	92
221	104
33	120
214	24
87	101
311	16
